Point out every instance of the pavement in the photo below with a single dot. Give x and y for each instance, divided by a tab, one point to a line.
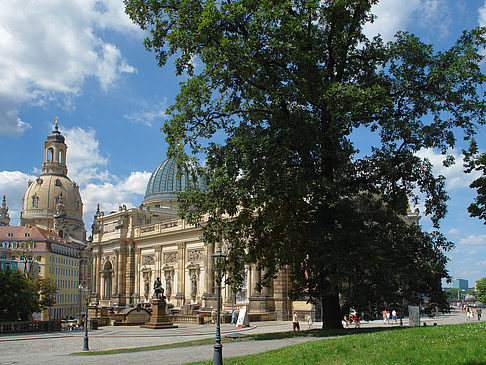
57	347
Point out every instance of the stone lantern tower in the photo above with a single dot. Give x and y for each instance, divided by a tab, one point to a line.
53	201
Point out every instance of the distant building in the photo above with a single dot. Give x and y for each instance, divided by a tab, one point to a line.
52	257
460	284
51	218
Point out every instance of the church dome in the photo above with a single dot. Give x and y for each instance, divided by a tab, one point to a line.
46	192
167	181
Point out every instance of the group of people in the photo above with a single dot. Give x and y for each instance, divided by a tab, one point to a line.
295	322
389	317
471	312
352	318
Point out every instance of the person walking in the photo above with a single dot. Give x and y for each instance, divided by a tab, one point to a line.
295	322
394	316
233	317
388	317
384	316
309	322
479	311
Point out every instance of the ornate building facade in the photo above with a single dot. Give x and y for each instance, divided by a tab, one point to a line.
133	247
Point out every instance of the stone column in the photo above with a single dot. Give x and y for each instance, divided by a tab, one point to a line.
158	262
98	271
93	272
209	282
281	295
181	273
137	266
130	275
115	271
255	279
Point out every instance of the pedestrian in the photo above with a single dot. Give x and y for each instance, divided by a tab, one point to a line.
309	322
213	315
394	316
387	316
295	322
233	317
384	316
468	314
346	322
479	311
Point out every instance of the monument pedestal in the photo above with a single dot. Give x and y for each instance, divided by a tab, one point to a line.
159	317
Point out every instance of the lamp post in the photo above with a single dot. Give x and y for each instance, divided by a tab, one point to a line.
86	293
218	264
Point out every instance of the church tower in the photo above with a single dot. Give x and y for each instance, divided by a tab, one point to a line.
4	217
55	154
53	201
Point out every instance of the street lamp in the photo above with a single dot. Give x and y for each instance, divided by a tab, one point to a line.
219	259
86	294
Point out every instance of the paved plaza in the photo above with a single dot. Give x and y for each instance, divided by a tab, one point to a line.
56	348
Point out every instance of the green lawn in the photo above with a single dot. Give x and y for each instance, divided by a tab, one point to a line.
459	344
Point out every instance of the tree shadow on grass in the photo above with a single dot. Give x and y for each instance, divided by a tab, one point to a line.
321	333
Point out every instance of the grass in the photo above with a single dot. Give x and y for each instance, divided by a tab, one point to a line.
458	344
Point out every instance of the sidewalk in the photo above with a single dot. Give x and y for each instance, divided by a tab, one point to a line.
55	348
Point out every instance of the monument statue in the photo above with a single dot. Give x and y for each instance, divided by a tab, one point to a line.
158	290
194	285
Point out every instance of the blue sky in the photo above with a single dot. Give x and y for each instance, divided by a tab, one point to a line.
83	61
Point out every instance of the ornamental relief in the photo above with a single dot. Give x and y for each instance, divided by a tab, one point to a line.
170	257
195	255
147	260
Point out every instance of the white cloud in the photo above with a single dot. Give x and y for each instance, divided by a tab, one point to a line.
473	240
453	232
13	185
83	157
395	15
455	176
111	195
481	263
482	15
50	48
392	15
149	114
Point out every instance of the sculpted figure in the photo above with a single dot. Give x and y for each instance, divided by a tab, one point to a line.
194	284
158	290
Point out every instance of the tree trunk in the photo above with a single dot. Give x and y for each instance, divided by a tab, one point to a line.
331	312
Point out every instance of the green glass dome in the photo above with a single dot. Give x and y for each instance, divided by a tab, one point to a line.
166	182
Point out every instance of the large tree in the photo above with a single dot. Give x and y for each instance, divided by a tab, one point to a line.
481	290
295	87
20	296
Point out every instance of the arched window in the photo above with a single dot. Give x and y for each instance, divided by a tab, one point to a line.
50	154
35	201
62	156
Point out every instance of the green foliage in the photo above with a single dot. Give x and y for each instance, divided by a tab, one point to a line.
293	85
21	296
18	296
476	161
481	290
45	289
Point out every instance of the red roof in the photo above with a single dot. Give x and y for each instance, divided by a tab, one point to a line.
42	237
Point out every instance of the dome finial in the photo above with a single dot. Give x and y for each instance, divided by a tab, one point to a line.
57	125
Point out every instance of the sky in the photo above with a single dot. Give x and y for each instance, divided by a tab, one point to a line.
84	62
